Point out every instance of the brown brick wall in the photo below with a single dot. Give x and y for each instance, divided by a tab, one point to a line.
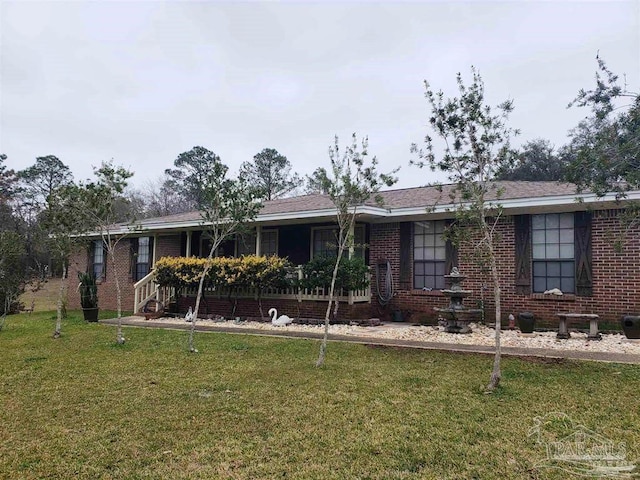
616	280
167	246
107	298
616	277
292	308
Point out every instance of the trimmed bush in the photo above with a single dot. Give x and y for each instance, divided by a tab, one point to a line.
249	271
352	273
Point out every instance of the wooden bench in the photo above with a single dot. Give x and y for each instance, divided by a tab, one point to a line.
563	331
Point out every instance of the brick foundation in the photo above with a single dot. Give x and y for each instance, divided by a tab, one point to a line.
292	308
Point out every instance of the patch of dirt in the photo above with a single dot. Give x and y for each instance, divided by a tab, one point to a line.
542	360
42	296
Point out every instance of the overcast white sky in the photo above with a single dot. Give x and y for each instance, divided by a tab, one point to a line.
140	82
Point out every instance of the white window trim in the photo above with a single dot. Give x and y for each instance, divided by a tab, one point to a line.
424	261
236	252
98	245
206	236
269	230
359	226
546	259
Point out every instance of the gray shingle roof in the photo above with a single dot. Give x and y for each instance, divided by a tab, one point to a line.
393	199
510	190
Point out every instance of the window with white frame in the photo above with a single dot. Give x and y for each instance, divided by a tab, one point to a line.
268	243
246	244
429	255
97	260
143	258
553	252
325	241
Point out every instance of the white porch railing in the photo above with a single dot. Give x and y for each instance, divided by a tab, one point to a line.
146	289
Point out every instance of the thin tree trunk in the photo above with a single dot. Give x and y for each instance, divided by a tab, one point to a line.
496	374
119	336
58	331
323	345
7	305
234	302
192	349
260	305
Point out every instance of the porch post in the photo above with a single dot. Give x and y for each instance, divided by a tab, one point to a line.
188	249
300	277
352	235
155	246
258	239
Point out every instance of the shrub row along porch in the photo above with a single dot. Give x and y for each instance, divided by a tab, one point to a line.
281	286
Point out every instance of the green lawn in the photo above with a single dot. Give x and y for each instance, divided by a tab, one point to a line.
252	407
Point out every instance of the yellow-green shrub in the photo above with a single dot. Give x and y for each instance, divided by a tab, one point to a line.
251	271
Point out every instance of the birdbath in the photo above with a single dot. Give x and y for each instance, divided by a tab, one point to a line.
457	315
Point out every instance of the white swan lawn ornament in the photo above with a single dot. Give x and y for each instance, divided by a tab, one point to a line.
189	316
280	321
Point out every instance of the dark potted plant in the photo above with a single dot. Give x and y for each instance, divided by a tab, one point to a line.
526	322
88	289
631	326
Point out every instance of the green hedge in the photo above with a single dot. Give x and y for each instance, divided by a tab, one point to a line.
249	271
352	273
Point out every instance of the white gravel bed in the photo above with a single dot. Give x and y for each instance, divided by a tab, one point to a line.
482	335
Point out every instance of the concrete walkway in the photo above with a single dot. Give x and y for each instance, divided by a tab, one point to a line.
388	342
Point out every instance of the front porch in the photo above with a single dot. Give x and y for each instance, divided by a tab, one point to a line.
148	295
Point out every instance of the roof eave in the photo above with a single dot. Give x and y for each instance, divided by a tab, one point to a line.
516	205
380	214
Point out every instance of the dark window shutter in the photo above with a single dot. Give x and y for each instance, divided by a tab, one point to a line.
105	260
405	255
584	273
90	256
151	252
133	253
522	227
183	244
195	244
367	240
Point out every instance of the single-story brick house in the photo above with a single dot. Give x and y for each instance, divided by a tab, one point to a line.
548	240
